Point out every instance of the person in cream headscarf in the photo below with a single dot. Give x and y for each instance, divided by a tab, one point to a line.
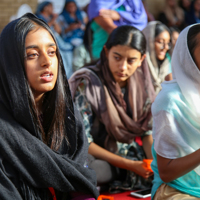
158	58
176	127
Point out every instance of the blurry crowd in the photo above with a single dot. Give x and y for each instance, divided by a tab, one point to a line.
82	32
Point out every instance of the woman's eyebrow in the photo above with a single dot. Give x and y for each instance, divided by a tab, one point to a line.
32	47
37	47
117	53
121	55
160	39
51	44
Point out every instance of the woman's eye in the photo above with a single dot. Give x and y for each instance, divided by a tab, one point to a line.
117	58
33	55
52	53
131	61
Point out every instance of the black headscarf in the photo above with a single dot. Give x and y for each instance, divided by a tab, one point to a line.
28	167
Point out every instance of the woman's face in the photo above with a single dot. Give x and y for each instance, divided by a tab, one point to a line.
197	5
41	62
71	7
123	61
49	9
175	35
162	45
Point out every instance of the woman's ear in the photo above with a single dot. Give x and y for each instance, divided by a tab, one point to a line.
106	51
141	60
143	57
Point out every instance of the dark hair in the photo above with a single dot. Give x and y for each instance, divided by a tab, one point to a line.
128	36
182	6
191	39
46	6
160	28
41	6
174	29
69	1
87	38
52	127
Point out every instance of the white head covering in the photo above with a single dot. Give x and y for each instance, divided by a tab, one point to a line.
176	110
185	72
157	73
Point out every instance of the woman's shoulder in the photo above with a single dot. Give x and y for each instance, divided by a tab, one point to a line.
85	73
82	85
168	98
84	77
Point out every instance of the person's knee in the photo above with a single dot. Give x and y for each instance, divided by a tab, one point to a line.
104	171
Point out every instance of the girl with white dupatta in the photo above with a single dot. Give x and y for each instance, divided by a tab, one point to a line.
176	127
158	58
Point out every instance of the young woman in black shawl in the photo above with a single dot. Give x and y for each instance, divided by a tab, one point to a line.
42	144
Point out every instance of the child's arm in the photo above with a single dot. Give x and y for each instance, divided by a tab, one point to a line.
171	169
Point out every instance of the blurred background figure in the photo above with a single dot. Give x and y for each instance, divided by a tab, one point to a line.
150	17
158	57
105	16
45	12
172	15
193	16
185	5
23	9
72	21
82	53
174	36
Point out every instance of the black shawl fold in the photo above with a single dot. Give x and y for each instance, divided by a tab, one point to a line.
25	161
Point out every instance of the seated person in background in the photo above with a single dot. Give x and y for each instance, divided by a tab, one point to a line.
176	127
45	12
42	140
174	36
72	21
158	58
114	97
81	55
107	15
193	16
185	5
172	15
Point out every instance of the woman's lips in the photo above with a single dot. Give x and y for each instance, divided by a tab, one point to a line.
47	77
162	53
121	75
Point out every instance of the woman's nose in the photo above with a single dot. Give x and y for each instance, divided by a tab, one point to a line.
45	60
123	65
